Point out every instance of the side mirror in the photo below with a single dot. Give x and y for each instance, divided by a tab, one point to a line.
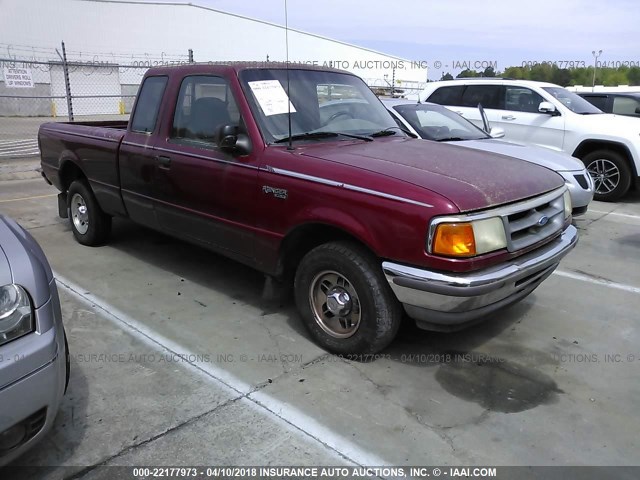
638	110
547	107
497	132
231	139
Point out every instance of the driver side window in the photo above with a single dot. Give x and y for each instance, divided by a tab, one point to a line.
520	99
205	103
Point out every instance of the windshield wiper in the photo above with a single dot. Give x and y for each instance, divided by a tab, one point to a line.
387	131
451	139
322	134
382	133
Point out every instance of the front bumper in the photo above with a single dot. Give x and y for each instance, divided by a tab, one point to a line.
32	379
451	301
580	196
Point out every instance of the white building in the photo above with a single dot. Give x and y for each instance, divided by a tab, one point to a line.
151	33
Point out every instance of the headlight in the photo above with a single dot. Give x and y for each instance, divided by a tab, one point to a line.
467	239
16	318
568	207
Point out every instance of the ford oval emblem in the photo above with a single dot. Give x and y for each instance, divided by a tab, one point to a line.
543	220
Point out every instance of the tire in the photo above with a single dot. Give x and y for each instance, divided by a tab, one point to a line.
67	363
366	320
611	174
90	225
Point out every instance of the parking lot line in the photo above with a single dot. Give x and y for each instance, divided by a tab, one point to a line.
28	198
626	215
299	421
597	281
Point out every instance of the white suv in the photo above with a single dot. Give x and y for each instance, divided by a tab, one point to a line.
550	116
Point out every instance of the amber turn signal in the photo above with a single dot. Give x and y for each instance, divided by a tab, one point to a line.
454	239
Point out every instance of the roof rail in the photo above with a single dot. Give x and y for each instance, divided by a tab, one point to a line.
484	78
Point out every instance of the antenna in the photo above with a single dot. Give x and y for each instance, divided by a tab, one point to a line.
286	41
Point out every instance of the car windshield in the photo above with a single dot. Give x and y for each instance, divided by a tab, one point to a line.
320	102
434	122
573	102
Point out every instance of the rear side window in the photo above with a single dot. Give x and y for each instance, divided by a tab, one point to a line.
148	105
599	101
447	95
489	96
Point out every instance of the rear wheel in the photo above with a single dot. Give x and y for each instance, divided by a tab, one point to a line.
90	225
345	301
611	174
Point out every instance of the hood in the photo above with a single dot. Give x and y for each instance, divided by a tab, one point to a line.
471	179
26	263
610	124
557	161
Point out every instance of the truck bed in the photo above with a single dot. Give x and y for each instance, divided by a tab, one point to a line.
92	146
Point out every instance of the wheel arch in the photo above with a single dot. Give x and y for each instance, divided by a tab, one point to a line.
69	171
588	146
304	238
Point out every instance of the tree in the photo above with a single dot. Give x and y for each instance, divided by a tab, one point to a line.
633	75
446	76
467	73
489	72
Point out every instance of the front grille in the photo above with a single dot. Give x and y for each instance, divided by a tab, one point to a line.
536	221
582	181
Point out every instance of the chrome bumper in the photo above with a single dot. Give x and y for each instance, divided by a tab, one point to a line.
450	301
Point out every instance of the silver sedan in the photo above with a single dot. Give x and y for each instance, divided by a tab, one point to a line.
434	122
34	360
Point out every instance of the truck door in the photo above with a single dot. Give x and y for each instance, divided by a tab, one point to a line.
137	156
203	193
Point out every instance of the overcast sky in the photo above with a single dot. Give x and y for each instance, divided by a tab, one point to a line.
504	31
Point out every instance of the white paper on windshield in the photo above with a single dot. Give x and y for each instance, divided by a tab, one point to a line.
271	97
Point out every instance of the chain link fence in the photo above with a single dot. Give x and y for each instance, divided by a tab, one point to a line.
35	91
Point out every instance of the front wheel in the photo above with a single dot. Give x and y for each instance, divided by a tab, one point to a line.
345	301
610	173
90	225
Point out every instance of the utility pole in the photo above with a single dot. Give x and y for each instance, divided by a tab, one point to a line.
595	68
190	55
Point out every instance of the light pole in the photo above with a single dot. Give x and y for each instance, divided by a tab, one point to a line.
595	68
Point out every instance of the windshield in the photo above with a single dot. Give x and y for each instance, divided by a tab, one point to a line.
573	102
320	102
437	123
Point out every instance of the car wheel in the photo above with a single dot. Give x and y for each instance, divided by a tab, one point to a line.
67	363
610	173
345	301
90	225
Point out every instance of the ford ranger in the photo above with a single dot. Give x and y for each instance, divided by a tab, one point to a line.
271	166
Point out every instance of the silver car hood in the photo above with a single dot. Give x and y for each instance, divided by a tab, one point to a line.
22	261
558	161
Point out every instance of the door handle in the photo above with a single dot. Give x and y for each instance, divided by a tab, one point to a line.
163	162
460	113
508	117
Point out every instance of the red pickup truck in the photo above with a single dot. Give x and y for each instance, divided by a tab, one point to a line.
302	174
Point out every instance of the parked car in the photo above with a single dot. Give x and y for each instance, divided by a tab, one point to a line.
434	122
361	219
34	359
547	115
619	103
